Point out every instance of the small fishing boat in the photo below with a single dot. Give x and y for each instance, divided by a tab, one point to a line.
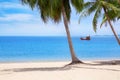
86	38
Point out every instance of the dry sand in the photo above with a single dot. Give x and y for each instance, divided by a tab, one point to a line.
58	71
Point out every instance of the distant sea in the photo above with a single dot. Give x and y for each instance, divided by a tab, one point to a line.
56	48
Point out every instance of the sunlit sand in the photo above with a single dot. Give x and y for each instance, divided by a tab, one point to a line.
103	70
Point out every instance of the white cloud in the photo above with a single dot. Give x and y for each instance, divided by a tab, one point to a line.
16	17
8	5
16	12
32	29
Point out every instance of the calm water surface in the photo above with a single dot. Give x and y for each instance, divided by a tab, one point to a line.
56	48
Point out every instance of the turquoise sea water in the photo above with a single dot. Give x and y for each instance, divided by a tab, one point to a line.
56	48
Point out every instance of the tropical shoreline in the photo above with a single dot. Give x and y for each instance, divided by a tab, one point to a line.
58	60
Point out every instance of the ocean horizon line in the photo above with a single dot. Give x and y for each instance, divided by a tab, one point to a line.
52	36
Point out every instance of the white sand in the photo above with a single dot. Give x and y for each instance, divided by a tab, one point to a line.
57	71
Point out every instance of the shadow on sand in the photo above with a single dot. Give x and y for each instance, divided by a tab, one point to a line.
111	62
101	63
69	67
39	69
106	69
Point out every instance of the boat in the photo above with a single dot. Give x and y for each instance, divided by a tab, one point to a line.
86	38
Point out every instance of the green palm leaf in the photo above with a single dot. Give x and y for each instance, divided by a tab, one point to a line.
96	16
103	21
78	4
110	6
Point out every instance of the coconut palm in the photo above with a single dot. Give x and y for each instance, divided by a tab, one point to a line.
109	9
113	15
57	10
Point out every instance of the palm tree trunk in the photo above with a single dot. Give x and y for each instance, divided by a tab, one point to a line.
116	36
119	1
73	56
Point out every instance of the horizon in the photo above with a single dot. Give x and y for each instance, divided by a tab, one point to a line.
53	36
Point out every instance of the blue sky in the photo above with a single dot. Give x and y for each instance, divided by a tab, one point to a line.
19	20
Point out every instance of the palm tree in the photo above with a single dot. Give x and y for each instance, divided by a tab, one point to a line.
57	10
112	15
110	10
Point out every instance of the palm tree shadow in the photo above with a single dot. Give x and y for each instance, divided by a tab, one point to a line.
101	63
39	69
111	62
97	68
68	67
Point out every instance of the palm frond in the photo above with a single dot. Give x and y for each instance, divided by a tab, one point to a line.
88	4
31	3
93	8
55	11
96	16
110	6
103	21
67	7
43	6
78	4
87	9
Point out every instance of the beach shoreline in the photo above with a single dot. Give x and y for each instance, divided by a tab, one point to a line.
57	70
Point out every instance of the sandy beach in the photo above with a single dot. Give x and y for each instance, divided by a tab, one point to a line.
103	70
